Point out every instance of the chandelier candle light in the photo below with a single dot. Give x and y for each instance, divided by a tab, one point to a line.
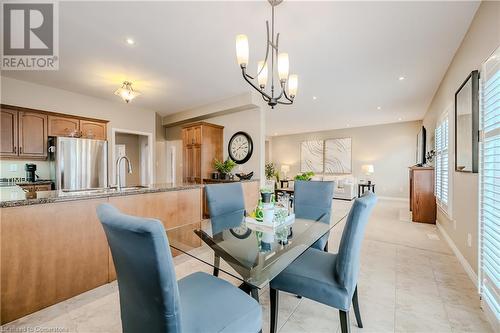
277	61
126	92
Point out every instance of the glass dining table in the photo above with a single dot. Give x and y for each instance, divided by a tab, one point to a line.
254	254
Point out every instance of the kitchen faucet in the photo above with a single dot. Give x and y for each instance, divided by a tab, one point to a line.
118	178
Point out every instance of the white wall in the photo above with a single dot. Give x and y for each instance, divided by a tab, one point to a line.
390	148
119	114
42	169
249	122
482	38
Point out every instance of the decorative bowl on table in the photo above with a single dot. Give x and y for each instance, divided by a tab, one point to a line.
245	176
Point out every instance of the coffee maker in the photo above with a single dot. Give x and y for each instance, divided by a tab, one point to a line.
30	172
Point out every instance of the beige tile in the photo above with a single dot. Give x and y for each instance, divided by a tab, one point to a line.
466	319
407	283
409	321
288	303
311	316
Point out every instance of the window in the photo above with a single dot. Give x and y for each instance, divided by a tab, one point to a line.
441	168
489	176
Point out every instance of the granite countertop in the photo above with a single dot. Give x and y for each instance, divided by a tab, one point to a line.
38	182
14	196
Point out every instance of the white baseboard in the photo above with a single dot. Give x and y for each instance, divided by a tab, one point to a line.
465	264
490	316
393	198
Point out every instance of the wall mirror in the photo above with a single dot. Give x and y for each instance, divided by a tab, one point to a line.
467	124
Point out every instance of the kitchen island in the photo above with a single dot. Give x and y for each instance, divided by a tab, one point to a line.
53	247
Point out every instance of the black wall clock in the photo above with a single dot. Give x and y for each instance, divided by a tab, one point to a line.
240	147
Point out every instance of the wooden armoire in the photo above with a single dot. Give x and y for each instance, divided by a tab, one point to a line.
202	143
422	198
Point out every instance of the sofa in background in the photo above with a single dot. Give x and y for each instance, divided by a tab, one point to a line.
345	188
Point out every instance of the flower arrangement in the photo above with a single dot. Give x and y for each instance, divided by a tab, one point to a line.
305	176
270	171
225	167
429	157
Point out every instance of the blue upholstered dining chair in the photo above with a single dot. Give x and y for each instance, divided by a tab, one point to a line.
227	209
325	277
313	200
151	300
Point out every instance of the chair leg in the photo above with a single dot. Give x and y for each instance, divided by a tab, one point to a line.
254	292
344	321
216	265
355	304
274	298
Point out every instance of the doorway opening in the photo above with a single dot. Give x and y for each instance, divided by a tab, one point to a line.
137	147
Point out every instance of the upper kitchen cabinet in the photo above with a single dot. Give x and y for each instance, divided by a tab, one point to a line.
202	143
93	130
63	126
32	135
24	134
8	123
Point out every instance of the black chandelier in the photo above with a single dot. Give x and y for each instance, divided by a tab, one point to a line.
277	61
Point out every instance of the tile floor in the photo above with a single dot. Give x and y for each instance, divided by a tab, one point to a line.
410	281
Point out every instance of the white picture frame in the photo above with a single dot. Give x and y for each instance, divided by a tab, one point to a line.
311	156
338	156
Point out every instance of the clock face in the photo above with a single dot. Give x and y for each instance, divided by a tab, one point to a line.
241	232
240	147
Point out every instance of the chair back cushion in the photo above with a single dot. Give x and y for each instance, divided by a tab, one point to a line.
149	296
347	263
313	200
226	205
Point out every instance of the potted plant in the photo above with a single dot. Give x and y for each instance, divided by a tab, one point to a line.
266	195
224	168
305	176
270	171
272	175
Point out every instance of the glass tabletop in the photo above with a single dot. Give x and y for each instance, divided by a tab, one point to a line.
255	254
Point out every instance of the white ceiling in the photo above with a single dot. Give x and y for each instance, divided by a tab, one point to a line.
348	54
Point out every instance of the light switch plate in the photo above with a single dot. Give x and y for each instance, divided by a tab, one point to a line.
469	240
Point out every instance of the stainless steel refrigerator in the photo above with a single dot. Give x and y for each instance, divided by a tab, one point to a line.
78	164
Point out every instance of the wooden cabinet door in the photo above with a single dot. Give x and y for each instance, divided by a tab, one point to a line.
62	126
32	134
189	136
93	130
196	163
185	140
39	188
8	143
197	135
189	163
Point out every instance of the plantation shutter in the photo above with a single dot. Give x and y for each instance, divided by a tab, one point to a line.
489	175
441	165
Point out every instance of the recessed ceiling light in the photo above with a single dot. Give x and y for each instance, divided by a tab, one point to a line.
400	119
379	108
315	98
130	41
401	78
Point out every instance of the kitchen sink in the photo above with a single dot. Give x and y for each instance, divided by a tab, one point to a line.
104	190
86	191
129	188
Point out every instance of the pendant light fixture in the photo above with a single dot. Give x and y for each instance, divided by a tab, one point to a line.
274	60
126	92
